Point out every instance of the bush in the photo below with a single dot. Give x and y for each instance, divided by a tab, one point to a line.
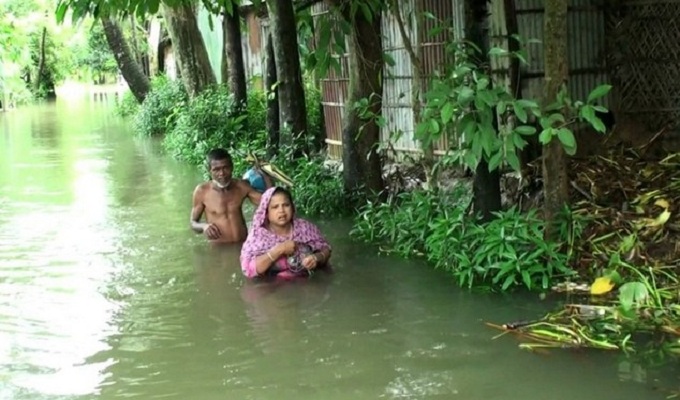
315	123
127	105
208	121
505	253
161	107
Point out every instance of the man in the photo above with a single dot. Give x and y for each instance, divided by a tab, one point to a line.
221	201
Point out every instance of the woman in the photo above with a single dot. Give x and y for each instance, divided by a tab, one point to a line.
280	244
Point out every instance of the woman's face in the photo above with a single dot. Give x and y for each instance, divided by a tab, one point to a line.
280	210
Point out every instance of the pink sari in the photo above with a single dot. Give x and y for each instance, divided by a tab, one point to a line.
260	240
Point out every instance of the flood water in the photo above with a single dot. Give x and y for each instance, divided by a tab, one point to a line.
106	293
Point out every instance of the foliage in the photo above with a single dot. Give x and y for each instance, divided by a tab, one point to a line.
487	121
315	120
193	127
508	252
318	189
209	120
161	107
98	59
127	106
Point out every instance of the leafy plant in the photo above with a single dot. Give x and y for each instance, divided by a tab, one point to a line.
127	105
508	252
488	122
161	107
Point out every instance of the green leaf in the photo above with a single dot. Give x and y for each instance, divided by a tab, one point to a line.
598	92
508	282
487	96
367	12
497	51
513	160
495	161
633	293
465	96
434	127
520	112
61	11
421	130
447	112
389	60
545	136
470	160
517	141
526	130
566	137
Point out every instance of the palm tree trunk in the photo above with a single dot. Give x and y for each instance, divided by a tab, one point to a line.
132	72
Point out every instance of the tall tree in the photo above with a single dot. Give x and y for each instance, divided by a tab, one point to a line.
188	45
486	185
362	169
41	61
291	92
233	53
272	93
131	70
555	181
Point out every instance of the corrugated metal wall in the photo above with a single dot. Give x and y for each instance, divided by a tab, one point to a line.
397	81
251	42
585	46
334	94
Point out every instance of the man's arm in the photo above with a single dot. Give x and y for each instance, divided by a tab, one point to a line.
253	195
197	210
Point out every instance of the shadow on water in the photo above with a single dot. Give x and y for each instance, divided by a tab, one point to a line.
106	293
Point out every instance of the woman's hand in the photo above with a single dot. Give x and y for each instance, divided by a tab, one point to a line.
311	261
286	248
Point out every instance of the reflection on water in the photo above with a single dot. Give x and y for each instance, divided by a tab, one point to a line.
106	293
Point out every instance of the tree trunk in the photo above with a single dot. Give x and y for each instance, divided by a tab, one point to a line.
271	91
362	169
133	39
187	44
292	104
129	68
555	180
41	62
486	185
233	52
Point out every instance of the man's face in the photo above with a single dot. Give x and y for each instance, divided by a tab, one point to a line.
220	171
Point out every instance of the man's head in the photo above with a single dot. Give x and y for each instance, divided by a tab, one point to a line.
220	166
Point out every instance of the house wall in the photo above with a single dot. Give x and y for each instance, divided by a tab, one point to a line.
585	46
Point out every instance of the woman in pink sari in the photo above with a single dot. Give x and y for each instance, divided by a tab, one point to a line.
279	244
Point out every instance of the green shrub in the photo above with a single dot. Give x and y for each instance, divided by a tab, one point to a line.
507	252
208	121
161	107
127	105
315	122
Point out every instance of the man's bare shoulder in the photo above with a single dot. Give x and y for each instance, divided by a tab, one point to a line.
202	188
243	186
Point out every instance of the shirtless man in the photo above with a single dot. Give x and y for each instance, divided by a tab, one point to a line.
221	200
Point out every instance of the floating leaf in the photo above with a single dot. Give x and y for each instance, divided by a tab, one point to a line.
601	285
632	293
662	203
662	218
